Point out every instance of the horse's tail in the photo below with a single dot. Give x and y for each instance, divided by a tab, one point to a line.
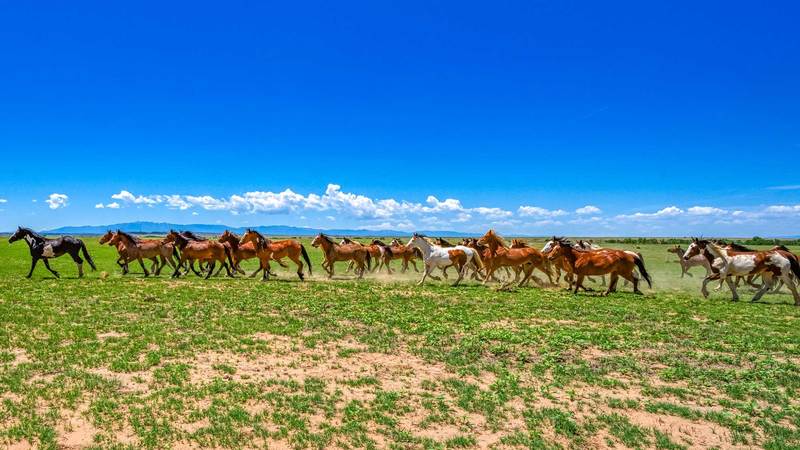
476	255
369	260
795	266
639	260
86	255
305	256
387	252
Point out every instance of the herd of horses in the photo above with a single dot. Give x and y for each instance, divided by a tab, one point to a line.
481	258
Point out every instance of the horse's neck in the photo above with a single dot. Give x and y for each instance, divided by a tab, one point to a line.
718	252
32	240
425	248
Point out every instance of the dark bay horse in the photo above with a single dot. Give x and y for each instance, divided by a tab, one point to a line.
43	248
202	251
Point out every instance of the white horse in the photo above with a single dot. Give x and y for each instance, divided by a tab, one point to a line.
435	256
770	264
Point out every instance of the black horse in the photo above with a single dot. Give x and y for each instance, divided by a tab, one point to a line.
43	248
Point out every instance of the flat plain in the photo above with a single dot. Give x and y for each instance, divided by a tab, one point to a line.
126	362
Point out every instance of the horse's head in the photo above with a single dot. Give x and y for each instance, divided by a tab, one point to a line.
396	242
171	236
19	234
319	239
417	241
674	249
695	248
559	248
106	237
491	239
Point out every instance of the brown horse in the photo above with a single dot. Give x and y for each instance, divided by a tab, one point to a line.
385	256
407	254
203	251
122	253
267	249
375	252
334	252
618	263
501	256
139	249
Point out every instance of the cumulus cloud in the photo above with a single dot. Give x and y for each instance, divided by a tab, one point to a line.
706	211
56	201
536	211
669	211
783	209
588	210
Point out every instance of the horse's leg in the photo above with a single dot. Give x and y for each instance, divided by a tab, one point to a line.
299	263
349	266
414	263
330	269
528	270
767	285
177	272
789	282
578	284
141	263
47	264
612	283
461	272
199	266
34	260
428	269
211	266
703	289
732	286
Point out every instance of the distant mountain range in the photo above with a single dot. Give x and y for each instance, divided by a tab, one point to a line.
270	230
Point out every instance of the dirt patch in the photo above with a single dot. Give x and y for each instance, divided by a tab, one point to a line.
74	430
111	335
696	434
130	382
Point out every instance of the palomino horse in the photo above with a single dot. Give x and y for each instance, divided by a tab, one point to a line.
334	252
267	249
138	249
771	264
436	256
203	251
44	249
501	256
407	254
617	263
694	261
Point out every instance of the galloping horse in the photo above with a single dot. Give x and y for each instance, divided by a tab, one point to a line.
694	261
436	256
44	249
407	254
501	256
386	256
350	252
123	257
770	264
375	252
139	249
200	250
239	251
267	249
618	263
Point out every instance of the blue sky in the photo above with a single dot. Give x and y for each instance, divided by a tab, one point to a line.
664	118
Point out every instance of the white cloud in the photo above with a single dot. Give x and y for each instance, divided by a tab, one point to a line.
669	211
783	209
588	210
57	201
112	205
127	197
99	206
2	200
331	218
535	211
706	211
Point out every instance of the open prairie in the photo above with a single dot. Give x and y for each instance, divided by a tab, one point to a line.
118	362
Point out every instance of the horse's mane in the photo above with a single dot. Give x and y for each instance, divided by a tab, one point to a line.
323	236
378	242
128	236
32	233
497	238
191	235
233	235
347	240
739	248
782	247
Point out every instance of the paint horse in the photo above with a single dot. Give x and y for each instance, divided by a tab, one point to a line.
44	249
435	256
770	264
334	252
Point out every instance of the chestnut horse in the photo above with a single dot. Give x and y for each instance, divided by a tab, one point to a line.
267	249
242	252
501	256
350	252
375	252
386	256
122	252
139	249
205	250
617	263
407	254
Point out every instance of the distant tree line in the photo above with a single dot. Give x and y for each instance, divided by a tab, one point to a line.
755	240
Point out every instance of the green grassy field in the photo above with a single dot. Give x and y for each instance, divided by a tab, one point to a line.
118	362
